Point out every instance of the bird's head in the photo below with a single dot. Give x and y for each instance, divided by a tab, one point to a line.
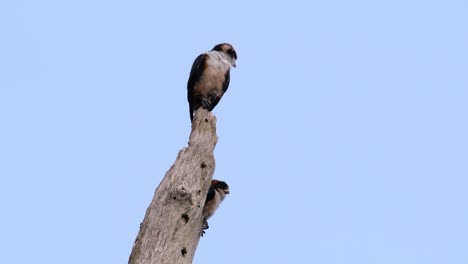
221	187
229	50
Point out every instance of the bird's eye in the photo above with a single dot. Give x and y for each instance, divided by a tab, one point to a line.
229	51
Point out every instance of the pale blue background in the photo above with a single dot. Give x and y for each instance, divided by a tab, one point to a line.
343	135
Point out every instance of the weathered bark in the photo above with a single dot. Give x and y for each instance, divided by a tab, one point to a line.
171	228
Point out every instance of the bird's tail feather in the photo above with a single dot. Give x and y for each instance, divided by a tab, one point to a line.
191	113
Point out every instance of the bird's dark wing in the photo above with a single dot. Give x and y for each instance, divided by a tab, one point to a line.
211	194
227	79
195	73
197	69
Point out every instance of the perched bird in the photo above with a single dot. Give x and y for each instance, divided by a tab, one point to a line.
215	196
209	77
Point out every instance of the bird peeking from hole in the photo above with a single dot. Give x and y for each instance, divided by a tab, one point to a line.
216	194
209	77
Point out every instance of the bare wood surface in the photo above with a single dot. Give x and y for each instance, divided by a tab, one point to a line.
171	228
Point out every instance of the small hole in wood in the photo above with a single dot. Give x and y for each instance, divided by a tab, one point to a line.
203	165
184	252
185	217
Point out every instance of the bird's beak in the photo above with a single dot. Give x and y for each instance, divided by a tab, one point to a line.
234	65
226	192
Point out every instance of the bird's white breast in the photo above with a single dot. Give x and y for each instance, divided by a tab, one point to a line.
214	74
212	205
218	61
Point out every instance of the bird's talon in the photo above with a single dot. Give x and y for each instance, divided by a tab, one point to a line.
206	103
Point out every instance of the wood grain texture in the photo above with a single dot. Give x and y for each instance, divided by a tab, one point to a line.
171	228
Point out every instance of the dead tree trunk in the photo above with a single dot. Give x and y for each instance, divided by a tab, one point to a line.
171	228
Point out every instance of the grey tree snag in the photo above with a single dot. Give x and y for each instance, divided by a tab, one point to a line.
171	228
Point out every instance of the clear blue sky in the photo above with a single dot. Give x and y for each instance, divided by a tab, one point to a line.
343	135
